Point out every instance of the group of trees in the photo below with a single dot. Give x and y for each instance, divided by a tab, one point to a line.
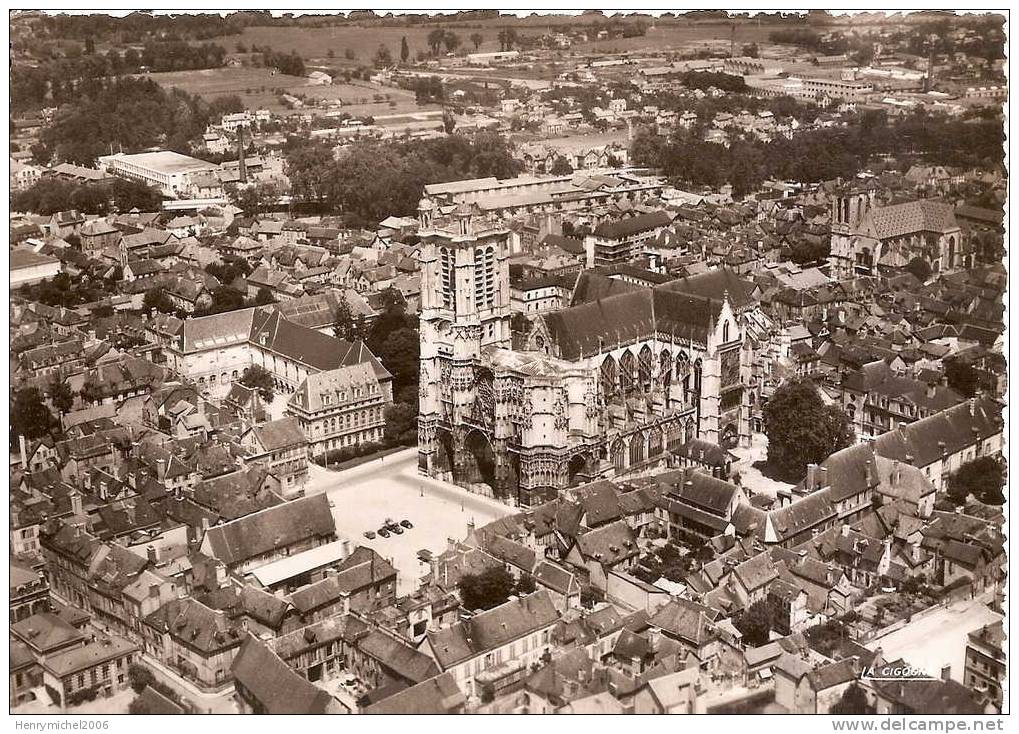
30	416
393	338
49	195
491	587
507	39
371	180
802	430
819	154
63	290
123	113
285	63
982	478
63	80
441	38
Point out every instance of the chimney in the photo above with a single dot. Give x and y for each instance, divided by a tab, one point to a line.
160	469
946	673
972	406
845	531
76	503
822	477
811	482
931	389
150	553
221	575
242	166
24	452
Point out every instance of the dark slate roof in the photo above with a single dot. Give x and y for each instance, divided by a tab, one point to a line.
438	695
274	527
274	684
632	225
492	629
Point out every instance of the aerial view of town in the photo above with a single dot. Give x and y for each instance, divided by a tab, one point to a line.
481	362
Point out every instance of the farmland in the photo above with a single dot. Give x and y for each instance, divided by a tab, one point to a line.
260	88
316	43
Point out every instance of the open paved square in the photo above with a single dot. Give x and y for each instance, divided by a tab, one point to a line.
363	498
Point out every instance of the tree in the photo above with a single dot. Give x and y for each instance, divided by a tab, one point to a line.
383	57
404	50
487	589
919	268
477	39
139	677
852	703
264	297
448	122
801	429
435	39
29	415
225	299
259	378
507	37
401	424
561	167
525	585
61	396
755	623
451	41
984	478
962	377
343	322
253	199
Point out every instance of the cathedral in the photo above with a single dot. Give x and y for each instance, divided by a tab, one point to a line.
606	388
868	239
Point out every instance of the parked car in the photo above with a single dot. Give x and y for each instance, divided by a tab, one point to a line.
369	534
424	555
383	533
407	524
396	529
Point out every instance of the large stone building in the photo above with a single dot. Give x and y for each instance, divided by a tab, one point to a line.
867	239
605	388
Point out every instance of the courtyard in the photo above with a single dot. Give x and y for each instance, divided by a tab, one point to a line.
937	638
363	498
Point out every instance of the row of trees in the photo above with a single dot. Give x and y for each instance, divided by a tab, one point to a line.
50	195
372	180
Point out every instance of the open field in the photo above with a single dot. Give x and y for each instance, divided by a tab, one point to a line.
259	88
316	43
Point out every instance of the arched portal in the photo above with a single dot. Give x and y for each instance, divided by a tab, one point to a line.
479	464
578	471
444	451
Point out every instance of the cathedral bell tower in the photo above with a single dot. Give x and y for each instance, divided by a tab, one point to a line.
465	308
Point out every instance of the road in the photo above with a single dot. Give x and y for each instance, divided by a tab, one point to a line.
364	497
937	638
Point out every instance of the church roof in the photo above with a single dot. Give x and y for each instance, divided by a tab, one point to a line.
925	215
